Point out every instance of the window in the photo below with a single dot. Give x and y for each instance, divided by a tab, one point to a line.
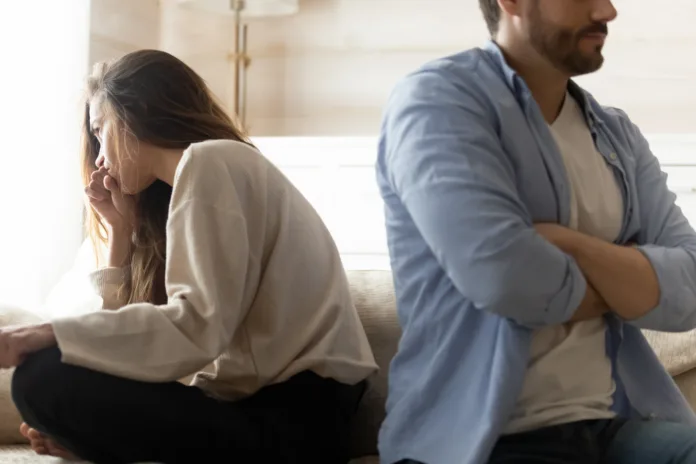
44	50
337	176
677	155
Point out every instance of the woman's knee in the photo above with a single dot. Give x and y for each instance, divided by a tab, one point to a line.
38	379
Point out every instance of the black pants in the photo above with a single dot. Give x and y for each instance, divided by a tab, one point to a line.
107	419
583	442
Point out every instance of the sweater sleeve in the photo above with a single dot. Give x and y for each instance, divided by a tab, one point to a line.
206	275
106	283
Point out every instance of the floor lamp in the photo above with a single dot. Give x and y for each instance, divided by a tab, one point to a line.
242	10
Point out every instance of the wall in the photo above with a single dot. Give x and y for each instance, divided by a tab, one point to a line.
328	70
336	62
122	26
649	71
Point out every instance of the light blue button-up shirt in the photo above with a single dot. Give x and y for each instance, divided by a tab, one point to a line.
467	165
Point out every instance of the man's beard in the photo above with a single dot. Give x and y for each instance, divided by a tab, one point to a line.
561	46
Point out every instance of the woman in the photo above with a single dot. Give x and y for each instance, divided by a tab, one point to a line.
253	282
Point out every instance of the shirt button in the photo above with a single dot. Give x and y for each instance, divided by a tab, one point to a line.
612	157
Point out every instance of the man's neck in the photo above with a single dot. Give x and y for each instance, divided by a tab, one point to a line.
547	84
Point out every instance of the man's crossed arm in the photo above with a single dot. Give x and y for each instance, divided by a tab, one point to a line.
443	158
620	278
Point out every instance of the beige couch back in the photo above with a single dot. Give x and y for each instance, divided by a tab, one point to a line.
373	295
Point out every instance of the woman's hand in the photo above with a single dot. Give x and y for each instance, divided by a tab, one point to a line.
16	343
115	208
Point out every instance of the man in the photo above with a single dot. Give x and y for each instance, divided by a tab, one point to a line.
532	236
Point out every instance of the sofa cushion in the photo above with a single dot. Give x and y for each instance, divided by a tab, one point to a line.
25	455
373	295
9	417
676	351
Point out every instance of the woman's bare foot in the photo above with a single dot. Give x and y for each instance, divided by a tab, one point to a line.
41	444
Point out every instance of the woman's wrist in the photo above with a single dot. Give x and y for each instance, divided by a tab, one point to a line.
119	230
119	247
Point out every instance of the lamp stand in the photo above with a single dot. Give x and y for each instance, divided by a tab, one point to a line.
241	61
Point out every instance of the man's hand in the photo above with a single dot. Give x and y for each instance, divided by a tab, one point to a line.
16	343
592	306
622	275
567	240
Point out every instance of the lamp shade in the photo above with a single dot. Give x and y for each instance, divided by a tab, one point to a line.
252	8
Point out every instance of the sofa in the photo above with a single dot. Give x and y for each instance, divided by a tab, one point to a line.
374	297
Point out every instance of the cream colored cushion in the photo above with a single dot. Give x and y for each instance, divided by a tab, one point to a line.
687	384
373	295
677	351
9	417
25	455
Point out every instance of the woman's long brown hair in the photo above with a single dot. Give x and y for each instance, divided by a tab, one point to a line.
158	99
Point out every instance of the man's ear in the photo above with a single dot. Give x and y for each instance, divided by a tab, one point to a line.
511	7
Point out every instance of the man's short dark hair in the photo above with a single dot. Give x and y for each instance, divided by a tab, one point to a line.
491	13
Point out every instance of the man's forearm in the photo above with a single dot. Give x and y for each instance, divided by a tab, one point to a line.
623	276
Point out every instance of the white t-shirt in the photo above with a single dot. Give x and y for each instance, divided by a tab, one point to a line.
254	283
569	377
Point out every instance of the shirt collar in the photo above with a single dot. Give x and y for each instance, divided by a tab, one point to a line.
583	100
518	85
510	75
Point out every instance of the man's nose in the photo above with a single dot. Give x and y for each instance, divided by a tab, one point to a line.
604	11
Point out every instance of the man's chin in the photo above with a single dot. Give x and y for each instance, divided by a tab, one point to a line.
586	63
595	63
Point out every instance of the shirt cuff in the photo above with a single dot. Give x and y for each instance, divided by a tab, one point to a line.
662	317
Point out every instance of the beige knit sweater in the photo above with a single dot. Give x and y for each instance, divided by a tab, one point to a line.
254	283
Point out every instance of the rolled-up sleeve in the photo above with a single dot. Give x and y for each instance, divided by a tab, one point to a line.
667	240
106	283
444	160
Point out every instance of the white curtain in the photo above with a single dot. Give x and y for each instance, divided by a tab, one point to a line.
43	60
